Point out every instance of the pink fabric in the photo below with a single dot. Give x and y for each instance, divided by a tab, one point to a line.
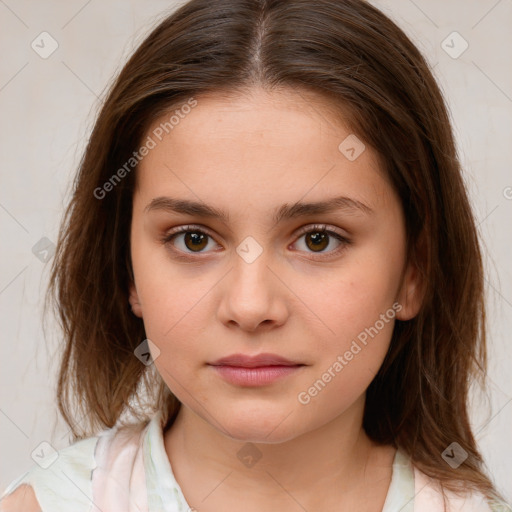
119	481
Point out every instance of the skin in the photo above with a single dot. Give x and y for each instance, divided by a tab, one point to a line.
249	155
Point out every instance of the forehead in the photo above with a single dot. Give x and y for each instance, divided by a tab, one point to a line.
261	144
257	115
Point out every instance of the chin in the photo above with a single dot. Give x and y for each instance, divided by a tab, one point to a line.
259	428
258	436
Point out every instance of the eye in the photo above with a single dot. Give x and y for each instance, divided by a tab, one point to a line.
195	240
318	238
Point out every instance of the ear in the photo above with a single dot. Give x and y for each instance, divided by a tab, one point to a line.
411	293
134	301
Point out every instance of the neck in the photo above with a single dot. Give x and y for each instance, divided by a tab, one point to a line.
339	452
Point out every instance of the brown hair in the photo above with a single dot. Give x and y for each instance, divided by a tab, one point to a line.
353	55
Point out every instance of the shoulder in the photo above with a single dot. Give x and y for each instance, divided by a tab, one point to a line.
67	479
429	497
55	474
23	498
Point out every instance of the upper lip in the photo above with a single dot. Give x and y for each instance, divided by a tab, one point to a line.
245	361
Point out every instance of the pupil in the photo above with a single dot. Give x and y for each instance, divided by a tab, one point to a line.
196	239
317	239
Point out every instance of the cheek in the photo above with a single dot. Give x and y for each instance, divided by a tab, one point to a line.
157	290
347	361
351	298
356	311
174	309
166	289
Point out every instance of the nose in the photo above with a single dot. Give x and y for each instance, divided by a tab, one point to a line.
253	297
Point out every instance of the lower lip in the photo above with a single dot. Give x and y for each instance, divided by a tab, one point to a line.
253	377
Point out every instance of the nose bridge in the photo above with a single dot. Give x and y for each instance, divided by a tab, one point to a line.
251	293
251	273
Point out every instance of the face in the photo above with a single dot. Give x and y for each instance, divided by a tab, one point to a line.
321	287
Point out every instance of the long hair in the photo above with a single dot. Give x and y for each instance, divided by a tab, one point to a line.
378	82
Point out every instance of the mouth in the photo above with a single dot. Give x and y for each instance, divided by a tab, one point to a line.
252	371
258	361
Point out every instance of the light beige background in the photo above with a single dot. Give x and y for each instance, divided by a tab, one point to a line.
47	109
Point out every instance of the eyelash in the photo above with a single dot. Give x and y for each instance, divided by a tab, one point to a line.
316	228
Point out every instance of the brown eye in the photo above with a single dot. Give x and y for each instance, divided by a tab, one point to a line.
317	240
188	240
195	241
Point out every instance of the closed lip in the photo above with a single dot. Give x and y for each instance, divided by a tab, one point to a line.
260	360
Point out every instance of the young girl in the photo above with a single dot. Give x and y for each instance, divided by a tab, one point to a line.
269	260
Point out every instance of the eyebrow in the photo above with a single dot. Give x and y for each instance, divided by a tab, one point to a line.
286	211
